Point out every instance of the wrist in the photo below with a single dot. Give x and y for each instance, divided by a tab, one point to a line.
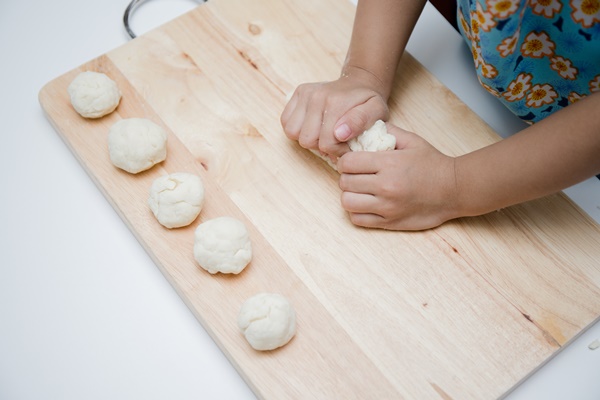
473	193
455	204
464	201
367	78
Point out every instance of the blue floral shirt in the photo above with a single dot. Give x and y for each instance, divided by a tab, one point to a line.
535	56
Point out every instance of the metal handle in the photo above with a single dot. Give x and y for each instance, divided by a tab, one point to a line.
129	12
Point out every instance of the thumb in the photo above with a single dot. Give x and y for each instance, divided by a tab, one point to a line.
359	118
404	138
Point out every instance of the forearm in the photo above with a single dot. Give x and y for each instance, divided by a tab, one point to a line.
545	158
381	30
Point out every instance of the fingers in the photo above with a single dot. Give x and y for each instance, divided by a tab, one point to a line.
317	112
361	162
317	127
359	188
368	220
360	118
358	183
328	144
366	209
404	139
353	123
307	117
293	115
357	206
289	108
310	131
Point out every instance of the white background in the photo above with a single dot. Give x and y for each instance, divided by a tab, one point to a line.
84	312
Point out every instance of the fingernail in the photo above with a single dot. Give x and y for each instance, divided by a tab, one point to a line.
342	132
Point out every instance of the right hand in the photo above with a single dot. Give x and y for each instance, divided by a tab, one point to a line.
413	187
324	116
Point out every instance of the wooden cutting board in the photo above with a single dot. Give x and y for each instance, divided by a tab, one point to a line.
464	311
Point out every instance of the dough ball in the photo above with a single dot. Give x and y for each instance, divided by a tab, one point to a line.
93	94
376	138
136	144
267	320
176	199
222	245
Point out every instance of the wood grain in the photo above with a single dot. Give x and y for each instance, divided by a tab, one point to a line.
463	311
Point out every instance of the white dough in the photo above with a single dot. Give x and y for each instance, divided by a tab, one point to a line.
267	320
93	94
176	199
222	245
136	144
376	138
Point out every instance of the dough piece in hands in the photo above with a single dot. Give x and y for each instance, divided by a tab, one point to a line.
267	320
136	144
93	94
222	245
176	199
376	138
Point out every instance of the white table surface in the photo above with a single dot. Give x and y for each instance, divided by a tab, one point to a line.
84	312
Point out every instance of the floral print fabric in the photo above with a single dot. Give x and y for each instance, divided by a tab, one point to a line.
536	56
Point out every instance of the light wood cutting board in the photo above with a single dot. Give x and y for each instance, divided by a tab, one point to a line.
464	311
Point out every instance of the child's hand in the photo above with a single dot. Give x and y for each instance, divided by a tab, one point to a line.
410	188
323	116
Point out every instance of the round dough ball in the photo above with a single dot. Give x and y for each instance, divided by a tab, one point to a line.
93	94
222	245
267	320
136	144
376	138
176	199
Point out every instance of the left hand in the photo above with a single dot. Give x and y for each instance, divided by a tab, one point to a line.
410	188
323	116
